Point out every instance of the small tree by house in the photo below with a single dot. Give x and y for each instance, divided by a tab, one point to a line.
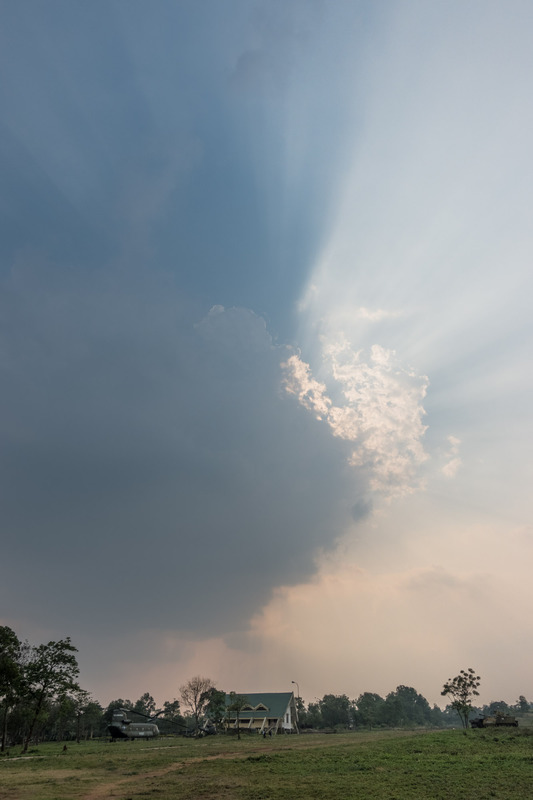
313	717
215	709
462	689
237	703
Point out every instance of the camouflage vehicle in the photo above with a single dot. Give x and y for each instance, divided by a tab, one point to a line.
123	728
497	721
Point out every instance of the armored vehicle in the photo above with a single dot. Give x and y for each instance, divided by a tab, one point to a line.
496	721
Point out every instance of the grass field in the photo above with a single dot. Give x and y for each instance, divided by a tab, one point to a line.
390	765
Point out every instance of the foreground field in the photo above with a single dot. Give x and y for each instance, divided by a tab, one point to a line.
385	765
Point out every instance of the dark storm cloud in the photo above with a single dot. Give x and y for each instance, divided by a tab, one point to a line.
152	471
206	138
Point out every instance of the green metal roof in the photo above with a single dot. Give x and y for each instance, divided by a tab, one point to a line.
276	704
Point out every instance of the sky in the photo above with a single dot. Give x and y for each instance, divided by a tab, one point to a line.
265	342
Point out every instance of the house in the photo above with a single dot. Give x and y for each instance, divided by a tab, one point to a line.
268	712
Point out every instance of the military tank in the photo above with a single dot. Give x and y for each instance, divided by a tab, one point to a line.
496	721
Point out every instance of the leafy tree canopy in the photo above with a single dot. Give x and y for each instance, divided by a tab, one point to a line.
145	705
522	704
335	710
171	709
50	673
497	707
215	708
462	689
369	709
10	669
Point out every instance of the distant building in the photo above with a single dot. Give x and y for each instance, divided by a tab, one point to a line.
269	712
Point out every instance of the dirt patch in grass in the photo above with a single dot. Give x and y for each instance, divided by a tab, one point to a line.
111	787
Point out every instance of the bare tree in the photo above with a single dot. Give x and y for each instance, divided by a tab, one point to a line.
195	695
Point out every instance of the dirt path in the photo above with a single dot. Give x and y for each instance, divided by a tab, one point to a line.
109	788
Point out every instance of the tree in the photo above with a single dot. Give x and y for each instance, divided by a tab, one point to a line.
61	719
170	718
369	709
215	709
462	689
305	716
237	703
392	712
171	710
313	717
497	707
81	700
406	706
335	710
50	674
11	674
437	716
522	705
145	705
92	718
195	696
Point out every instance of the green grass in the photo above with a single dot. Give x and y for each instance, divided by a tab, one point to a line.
378	765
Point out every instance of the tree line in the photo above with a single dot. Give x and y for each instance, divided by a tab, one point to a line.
41	699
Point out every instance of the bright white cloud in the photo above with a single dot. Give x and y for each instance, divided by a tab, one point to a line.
310	392
380	411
